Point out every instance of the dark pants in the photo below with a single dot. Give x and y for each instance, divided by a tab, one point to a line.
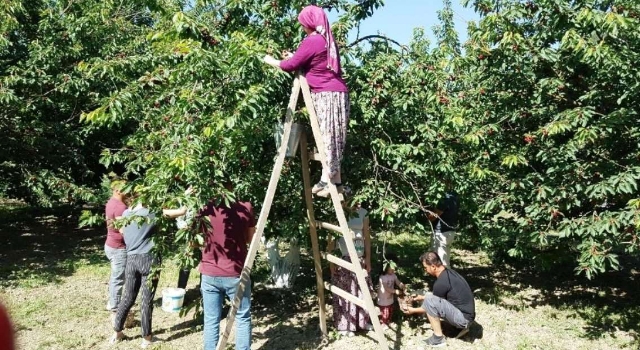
136	276
183	278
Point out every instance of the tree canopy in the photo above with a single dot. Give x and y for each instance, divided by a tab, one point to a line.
533	121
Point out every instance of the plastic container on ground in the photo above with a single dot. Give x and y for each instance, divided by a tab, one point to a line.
172	299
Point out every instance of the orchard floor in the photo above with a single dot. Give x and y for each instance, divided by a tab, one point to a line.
53	281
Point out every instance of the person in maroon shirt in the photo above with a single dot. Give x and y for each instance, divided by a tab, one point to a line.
6	331
114	247
319	59
223	255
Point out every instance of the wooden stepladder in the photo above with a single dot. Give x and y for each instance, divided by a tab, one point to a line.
300	83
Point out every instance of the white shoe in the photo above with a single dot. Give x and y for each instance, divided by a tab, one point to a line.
147	343
321	185
346	333
115	339
368	327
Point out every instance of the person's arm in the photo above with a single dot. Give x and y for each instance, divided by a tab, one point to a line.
251	229
118	215
441	289
174	213
399	284
440	208
434	215
182	211
250	232
300	58
331	245
7	340
418	298
414	310
367	243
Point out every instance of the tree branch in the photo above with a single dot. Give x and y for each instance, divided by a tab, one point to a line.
375	36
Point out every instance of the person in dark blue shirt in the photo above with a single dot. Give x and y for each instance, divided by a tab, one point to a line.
444	219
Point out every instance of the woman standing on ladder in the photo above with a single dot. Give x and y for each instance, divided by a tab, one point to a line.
319	59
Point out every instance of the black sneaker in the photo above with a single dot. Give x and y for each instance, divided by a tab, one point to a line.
435	341
464	331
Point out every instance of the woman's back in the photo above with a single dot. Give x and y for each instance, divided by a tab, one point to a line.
311	58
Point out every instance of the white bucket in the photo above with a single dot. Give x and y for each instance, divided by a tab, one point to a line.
172	299
294	137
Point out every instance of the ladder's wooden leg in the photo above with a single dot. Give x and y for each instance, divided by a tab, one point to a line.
304	155
264	214
346	232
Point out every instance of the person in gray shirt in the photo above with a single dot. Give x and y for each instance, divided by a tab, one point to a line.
140	259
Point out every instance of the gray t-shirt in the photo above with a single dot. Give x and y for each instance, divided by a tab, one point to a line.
137	236
356	224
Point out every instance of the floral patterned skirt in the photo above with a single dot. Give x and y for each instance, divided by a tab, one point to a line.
332	109
346	315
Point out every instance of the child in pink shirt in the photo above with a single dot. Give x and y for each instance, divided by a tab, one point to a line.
386	290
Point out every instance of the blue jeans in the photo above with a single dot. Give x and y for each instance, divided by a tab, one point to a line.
213	291
118	260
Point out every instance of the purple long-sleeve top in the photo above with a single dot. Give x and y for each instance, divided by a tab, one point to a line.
311	58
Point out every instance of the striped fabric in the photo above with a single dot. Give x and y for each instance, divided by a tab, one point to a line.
332	109
136	276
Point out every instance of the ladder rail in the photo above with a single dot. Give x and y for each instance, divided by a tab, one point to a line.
346	232
264	214
317	262
300	84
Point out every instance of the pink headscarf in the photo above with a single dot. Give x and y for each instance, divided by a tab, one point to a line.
313	17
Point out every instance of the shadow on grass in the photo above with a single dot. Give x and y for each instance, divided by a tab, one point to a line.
189	325
43	245
609	303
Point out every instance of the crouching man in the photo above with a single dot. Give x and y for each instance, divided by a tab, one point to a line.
451	301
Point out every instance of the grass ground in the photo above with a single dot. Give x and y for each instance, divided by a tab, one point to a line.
53	280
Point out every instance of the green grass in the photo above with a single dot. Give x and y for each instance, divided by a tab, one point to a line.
53	280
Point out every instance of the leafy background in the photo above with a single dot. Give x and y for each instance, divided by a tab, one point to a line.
533	121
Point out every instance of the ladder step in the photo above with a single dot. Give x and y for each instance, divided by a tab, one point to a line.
344	294
350	297
340	262
332	227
